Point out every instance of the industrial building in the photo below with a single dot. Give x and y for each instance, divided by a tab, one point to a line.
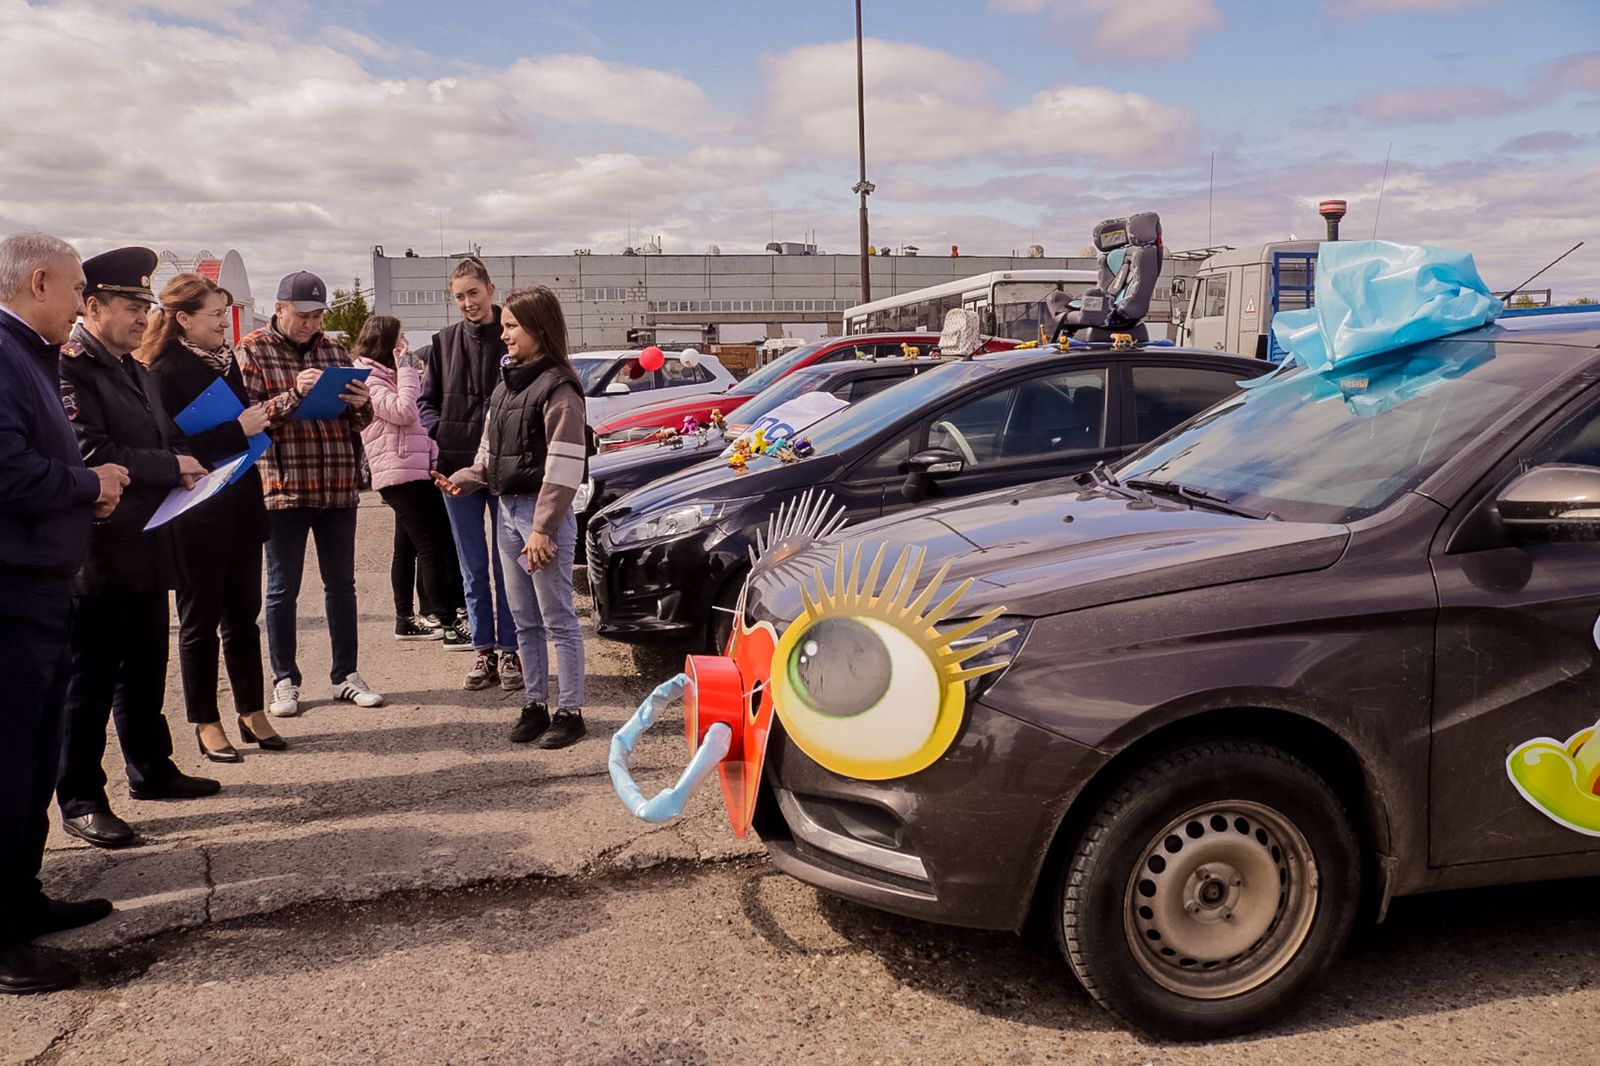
620	301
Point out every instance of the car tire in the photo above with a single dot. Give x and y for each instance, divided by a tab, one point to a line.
1209	890
719	627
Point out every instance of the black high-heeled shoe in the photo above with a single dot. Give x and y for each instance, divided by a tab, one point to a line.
272	743
227	754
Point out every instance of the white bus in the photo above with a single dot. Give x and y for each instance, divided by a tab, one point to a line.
1011	303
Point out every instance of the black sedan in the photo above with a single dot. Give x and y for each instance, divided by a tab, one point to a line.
1332	642
613	475
667	562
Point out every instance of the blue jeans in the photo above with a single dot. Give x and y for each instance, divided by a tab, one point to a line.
334	529
492	625
541	603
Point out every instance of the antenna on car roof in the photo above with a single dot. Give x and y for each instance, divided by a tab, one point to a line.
1541	270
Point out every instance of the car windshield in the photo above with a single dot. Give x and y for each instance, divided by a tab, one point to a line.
1338	445
781	393
591	370
775	370
867	418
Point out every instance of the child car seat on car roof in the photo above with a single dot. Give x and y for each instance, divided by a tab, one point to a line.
1129	253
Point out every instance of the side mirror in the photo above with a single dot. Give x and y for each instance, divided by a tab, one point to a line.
1557	501
617	388
936	462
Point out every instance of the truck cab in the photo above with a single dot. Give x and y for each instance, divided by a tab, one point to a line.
1232	297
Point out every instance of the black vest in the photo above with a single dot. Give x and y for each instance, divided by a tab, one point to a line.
467	360
516	426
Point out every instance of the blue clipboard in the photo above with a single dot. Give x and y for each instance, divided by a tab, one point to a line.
323	399
216	405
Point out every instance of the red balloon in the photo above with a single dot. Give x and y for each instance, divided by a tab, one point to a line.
652	358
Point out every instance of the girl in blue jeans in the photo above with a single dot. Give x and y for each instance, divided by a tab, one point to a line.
533	457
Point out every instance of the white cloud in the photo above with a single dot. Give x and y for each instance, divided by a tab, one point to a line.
1438	104
1121	31
583	89
1357	8
923	104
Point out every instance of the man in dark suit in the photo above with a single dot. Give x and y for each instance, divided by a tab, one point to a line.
48	499
120	630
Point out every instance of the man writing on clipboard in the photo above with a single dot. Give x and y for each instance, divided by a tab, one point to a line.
308	477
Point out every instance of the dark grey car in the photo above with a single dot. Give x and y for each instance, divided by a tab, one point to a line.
1330	641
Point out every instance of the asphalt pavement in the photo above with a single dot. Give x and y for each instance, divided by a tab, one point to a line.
404	885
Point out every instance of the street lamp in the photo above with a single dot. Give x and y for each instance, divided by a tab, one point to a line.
862	188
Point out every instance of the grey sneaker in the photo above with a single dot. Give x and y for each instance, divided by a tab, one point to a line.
510	671
485	672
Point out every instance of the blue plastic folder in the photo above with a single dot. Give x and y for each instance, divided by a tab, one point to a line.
323	399
216	405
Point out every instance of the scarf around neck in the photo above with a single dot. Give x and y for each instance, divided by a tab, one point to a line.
219	360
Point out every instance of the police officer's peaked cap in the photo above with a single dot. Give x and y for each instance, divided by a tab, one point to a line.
121	272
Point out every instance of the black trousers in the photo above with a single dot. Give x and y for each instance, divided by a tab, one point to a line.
34	623
221	594
119	670
403	575
419	510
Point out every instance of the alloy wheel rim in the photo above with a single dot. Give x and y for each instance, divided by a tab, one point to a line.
1221	900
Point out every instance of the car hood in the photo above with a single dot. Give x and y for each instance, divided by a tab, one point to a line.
715	480
641	458
670	412
1053	547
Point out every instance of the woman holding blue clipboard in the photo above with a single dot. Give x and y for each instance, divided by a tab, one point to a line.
219	542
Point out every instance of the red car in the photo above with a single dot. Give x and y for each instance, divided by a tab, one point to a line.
637	425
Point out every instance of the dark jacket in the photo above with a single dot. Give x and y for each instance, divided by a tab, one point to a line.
46	493
516	440
116	410
463	370
236	518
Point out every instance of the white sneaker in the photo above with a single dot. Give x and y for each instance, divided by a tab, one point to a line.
355	690
285	699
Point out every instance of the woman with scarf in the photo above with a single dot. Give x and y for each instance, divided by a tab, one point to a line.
219	543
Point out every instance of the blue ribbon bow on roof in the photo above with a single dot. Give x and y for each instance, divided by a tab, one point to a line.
1375	296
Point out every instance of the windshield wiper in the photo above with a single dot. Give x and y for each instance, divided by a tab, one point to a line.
1200	496
1102	476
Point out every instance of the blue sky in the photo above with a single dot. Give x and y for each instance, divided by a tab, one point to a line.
320	129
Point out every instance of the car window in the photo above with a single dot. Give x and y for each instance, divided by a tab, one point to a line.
674	374
591	372
1061	412
888	462
1576	441
775	370
632	373
1166	396
861	388
1212	299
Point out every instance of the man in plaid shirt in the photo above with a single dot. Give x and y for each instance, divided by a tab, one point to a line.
309	477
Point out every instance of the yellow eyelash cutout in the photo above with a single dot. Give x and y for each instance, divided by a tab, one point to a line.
864	681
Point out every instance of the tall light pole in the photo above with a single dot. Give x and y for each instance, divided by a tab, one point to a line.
863	187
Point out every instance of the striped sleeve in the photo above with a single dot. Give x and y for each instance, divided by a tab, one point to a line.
565	461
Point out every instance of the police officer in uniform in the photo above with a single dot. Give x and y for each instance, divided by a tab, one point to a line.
47	502
119	631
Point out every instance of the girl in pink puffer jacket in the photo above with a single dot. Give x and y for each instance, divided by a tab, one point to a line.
401	456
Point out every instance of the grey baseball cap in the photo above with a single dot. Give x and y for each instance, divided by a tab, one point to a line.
303	291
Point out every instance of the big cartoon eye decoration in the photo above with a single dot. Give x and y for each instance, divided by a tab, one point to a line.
864	681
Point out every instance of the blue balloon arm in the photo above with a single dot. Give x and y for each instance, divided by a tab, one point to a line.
669	802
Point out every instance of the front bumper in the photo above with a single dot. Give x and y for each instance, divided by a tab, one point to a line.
656	591
962	842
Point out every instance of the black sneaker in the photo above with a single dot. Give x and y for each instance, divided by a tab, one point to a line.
534	721
565	728
413	629
455	639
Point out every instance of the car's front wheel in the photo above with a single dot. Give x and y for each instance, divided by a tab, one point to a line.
1209	890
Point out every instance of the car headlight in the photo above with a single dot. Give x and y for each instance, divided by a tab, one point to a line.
665	525
623	437
584	496
1003	652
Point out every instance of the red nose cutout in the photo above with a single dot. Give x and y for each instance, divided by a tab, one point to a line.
733	689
